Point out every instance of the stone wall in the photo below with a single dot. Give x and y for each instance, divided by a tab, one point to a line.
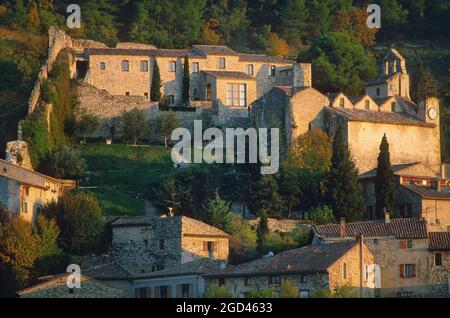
17	154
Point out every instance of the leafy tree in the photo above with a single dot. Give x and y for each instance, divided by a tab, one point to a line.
81	222
344	190
218	212
155	89
393	17
423	84
87	125
263	227
217	292
186	80
384	182
277	46
278	242
134	125
288	289
243	240
65	162
311	150
340	63
18	252
293	20
167	122
265	196
354	22
321	215
263	293
289	186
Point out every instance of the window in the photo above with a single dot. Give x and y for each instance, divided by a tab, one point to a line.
378	92
367	104
145	244
342	102
236	94
161	244
125	66
221	63
141	292
393	107
304	293
272	70
27	191
274	280
409	244
24	207
146	96
303	279
171	99
344	271
185	290
247	281
250	69
127	93
71	291
163	291
144	66
102	66
375	241
195	67
406	244
208	91
437	259
172	66
407	270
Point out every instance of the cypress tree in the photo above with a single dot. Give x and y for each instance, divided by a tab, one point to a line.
384	182
344	191
186	81
155	90
263	227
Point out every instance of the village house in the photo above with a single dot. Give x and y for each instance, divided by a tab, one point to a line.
55	286
310	268
439	247
24	192
400	248
150	243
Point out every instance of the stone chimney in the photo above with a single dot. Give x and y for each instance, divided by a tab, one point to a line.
342	227
302	75
387	218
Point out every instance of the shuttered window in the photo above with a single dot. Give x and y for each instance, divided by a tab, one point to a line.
407	270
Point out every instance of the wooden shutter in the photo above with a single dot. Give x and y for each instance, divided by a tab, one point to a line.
157	292
205	246
179	291
403	244
402	270
413	270
215	245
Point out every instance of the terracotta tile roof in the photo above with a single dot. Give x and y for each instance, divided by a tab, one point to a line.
214	49
399	228
229	74
307	259
427	192
145	52
245	57
439	241
196	267
373	116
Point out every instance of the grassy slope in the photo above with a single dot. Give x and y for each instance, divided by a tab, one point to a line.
121	173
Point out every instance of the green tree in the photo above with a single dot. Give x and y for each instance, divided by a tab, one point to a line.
293	20
18	252
155	89
384	182
344	190
263	227
65	162
167	122
340	63
134	125
81	222
289	186
344	291
321	215
423	84
243	240
186	81
217	292
87	125
263	293
265	196
218	213
288	289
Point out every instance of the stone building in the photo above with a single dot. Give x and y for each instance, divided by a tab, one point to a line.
56	287
310	268
24	192
439	260
149	244
400	247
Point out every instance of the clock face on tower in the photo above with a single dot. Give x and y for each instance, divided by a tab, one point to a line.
432	113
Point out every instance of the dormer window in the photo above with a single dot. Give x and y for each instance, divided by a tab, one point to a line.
221	62
125	66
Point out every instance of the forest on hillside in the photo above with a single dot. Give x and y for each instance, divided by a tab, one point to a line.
332	34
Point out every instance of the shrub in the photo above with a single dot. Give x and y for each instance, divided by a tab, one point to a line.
288	289
134	125
217	292
264	293
321	215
